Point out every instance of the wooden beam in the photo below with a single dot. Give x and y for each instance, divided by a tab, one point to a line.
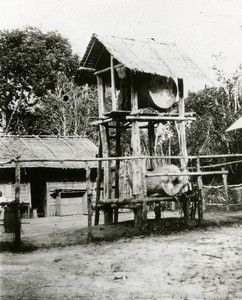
225	183
86	69
107	69
101	122
98	182
200	192
159	118
17	224
107	184
144	191
113	88
117	168
182	128
135	143
131	200
151	136
201	173
101	96
89	202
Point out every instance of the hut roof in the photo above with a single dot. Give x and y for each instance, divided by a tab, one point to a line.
148	56
46	151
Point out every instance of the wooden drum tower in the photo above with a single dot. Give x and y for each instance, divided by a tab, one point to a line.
140	85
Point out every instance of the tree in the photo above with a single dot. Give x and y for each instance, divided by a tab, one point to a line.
215	112
29	65
68	110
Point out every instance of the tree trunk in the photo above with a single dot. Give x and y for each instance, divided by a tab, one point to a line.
4	120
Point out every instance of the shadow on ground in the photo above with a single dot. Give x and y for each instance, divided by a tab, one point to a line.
125	229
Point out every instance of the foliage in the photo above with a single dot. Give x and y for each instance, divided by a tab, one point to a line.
215	113
30	62
68	110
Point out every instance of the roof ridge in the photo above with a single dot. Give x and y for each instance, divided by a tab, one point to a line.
135	39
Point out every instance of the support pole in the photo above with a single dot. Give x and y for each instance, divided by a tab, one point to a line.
105	151
201	204
136	164
151	136
182	128
98	182
107	183
225	183
101	96
16	205
135	143
114	100
157	211
144	191
117	169
89	202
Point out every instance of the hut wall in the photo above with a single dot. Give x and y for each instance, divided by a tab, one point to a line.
8	190
69	206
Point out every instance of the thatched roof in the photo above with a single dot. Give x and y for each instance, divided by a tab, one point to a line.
37	149
148	56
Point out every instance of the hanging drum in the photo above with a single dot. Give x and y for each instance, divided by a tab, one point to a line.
157	92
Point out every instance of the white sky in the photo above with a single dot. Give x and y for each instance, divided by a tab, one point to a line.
199	28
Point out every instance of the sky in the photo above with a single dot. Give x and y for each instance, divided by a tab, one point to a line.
200	28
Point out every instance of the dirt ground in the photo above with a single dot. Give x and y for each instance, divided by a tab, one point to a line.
192	263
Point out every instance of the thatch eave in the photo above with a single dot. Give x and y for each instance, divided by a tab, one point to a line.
145	56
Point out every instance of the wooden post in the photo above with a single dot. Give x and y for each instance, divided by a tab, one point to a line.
114	100
138	217
186	208
136	163
101	96
98	182
135	144
16	205
157	211
182	125
200	194
117	168
151	136
144	191
107	187
89	202
225	183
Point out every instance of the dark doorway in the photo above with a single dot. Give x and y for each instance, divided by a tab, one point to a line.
38	196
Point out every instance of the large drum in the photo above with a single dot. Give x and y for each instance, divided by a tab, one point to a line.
170	184
157	92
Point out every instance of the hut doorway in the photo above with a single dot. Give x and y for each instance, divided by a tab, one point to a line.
38	196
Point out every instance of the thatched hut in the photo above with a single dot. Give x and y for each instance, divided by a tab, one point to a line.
51	184
156	65
147	88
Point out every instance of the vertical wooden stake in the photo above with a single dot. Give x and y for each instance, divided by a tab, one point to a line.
117	169
200	194
225	183
182	126
144	191
151	136
136	163
157	211
98	182
16	205
135	143
138	217
89	202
